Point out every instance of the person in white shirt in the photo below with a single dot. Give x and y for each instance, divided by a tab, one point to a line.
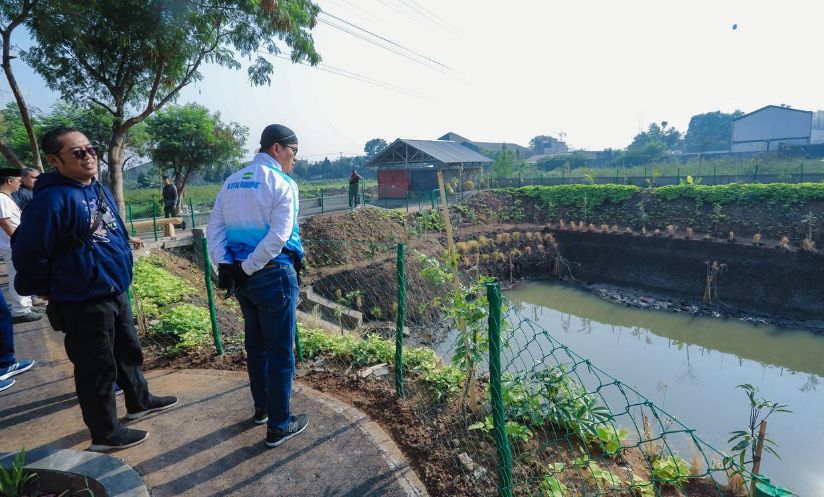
254	238
22	310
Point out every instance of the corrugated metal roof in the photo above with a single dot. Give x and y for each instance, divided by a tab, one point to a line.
447	152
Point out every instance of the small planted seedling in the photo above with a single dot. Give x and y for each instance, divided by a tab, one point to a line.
561	224
784	243
671	229
690	233
656	232
756	239
731	237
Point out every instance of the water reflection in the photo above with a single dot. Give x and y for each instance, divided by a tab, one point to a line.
691	366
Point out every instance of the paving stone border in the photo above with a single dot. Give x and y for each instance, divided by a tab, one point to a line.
117	477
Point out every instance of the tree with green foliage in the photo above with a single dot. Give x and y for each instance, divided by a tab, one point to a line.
14	13
132	57
504	163
711	131
189	138
14	135
96	124
374	146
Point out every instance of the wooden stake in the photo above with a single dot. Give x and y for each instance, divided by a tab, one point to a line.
759	447
447	223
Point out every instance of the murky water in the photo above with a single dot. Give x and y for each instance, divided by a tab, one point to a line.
691	366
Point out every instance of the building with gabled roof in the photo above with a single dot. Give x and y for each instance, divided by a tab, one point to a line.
412	165
488	148
770	128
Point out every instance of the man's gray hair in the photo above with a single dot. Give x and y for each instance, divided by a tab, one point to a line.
28	171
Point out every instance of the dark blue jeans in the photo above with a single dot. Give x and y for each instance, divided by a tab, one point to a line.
6	334
269	301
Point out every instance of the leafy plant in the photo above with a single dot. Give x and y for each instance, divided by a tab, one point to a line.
610	438
513	429
746	440
187	324
670	470
15	479
550	486
156	287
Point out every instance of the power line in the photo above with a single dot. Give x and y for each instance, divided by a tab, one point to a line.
385	47
387	40
352	75
415	8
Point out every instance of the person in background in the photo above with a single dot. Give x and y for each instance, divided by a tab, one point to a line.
169	197
254	238
9	366
27	180
22	309
73	249
354	182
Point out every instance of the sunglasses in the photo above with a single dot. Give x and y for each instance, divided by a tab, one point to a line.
81	153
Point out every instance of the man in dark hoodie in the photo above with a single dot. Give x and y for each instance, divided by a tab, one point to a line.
72	249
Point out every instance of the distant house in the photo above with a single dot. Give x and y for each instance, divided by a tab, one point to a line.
772	127
488	148
412	165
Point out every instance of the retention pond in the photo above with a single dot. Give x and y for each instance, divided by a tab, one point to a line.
690	367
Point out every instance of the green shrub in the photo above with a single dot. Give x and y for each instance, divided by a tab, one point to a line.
156	287
188	325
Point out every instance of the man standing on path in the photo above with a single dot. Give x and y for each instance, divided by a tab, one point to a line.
253	236
354	182
27	180
169	197
8	363
72	248
21	307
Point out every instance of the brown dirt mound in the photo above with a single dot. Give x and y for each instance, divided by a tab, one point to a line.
343	237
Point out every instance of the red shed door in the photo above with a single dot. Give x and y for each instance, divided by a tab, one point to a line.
393	183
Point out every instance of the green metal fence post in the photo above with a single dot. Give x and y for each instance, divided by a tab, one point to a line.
755	175
131	220
802	173
154	218
432	197
678	176
493	293
363	193
714	177
298	346
399	386
321	200
192	211
407	201
207	271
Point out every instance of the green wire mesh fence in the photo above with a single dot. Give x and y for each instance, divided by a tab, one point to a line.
547	422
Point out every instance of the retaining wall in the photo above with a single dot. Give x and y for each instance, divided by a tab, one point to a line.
763	280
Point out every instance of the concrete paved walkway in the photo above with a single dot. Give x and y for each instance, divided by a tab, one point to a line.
207	445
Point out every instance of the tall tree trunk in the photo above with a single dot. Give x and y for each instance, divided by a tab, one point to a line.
10	156
116	145
21	102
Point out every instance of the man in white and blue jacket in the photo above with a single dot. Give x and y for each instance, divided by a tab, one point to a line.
72	249
254	238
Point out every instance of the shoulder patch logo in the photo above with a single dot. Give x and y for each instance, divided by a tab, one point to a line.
248	175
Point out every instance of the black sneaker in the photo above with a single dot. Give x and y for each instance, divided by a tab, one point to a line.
298	423
123	440
260	416
31	315
155	404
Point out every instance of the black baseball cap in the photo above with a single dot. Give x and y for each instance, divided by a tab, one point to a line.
277	133
10	171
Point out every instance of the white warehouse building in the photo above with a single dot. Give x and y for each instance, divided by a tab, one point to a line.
772	127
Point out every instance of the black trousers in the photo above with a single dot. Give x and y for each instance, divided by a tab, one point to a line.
169	210
102	344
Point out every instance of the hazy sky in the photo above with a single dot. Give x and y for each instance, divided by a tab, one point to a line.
595	70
